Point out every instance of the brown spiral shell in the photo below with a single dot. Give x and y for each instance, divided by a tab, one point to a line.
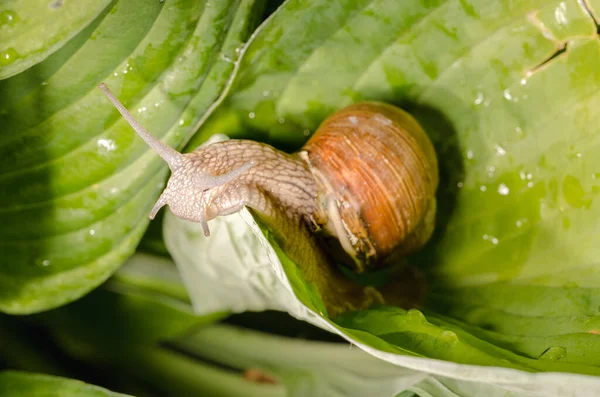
377	175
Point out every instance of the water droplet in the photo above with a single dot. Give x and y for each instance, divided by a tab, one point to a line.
491	170
46	262
107	144
470	154
503	189
281	120
507	95
226	58
353	120
92	232
115	74
251	115
500	151
266	93
8	56
490	238
181	121
142	109
449	337
479	99
44	83
554	353
306	132
8	17
459	185
414	315
523	81
483	188
560	15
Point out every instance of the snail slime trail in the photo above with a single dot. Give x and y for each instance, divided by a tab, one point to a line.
364	182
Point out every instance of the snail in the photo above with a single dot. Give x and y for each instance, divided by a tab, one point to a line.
360	192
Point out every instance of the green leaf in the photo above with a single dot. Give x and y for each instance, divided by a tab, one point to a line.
508	93
16	384
26	36
144	303
77	183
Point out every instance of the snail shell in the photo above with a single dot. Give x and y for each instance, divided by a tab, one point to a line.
377	175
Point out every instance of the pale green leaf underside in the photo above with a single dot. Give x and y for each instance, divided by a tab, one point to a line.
508	91
77	184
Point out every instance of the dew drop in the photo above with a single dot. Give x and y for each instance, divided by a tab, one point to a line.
281	120
491	170
251	115
560	15
107	144
92	232
500	151
459	185
470	154
306	132
483	188
8	17
554	353
46	262
353	120
414	315
449	337
507	95
503	189
8	56
479	99
523	81
225	58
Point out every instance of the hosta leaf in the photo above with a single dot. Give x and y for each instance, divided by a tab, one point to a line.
26	36
144	303
77	183
508	92
17	384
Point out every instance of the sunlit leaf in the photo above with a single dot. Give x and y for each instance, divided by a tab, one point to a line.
508	92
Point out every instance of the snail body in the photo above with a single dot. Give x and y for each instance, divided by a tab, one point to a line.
366	179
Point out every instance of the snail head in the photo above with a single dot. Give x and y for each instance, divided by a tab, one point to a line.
185	190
